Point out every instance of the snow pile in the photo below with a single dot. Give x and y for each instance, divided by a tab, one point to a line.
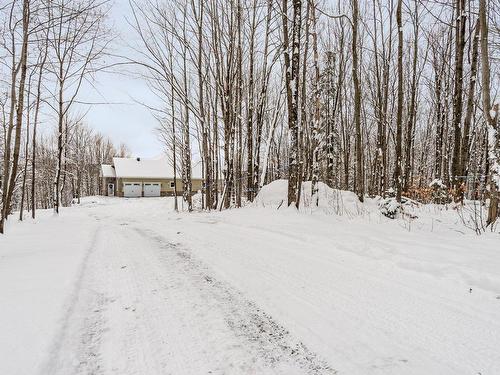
273	194
330	201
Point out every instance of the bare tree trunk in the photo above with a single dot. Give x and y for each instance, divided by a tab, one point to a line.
317	108
399	115
60	143
186	152
12	173
35	124
250	108
360	184
26	152
464	154
239	100
412	110
201	99
458	96
438	83
292	84
174	140
303	109
215	137
257	182
491	117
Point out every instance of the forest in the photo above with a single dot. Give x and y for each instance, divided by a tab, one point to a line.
245	187
386	98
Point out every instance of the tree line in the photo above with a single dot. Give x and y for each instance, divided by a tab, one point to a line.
378	97
48	49
381	97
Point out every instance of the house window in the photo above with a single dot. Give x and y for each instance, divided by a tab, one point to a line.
172	185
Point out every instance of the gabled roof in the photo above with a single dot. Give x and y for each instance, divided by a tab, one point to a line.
160	168
107	171
142	168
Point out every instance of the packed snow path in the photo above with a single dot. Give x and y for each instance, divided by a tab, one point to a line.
143	304
129	287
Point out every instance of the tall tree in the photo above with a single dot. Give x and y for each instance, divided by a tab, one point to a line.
399	115
17	104
413	103
460	24
78	40
360	183
491	116
292	85
317	106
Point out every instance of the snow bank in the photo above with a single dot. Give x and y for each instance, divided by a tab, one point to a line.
469	217
370	295
330	201
40	264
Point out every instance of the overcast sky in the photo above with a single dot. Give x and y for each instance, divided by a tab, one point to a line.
123	120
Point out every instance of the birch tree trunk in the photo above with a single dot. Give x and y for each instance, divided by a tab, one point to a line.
317	107
11	173
262	101
186	151
42	61
250	106
292	84
465	145
201	102
491	116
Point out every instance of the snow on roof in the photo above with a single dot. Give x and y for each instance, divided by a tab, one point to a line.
145	168
148	168
107	171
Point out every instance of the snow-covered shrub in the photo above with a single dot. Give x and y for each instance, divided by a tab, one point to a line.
391	208
439	191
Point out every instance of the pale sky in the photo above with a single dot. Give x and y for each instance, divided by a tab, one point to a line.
126	122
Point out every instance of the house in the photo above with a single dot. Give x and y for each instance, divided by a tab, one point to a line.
136	177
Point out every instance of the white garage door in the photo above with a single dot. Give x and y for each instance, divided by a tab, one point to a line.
152	189
132	190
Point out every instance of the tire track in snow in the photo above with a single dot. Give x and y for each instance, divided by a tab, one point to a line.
144	305
263	336
89	325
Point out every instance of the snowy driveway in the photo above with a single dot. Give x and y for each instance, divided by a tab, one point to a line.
118	289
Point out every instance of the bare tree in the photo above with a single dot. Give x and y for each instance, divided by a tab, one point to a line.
292	84
16	105
360	184
491	116
77	41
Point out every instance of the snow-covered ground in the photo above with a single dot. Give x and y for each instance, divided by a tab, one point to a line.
117	286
